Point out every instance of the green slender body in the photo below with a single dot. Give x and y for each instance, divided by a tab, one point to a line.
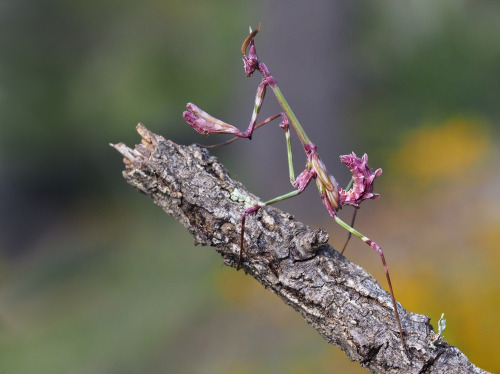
304	139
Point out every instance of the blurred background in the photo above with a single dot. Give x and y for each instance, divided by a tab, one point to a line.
96	279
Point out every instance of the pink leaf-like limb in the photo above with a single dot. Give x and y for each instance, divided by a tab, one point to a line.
363	178
206	124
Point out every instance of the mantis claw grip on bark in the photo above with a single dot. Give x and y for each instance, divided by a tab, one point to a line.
332	196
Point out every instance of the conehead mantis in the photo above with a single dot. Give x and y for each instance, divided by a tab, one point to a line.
332	196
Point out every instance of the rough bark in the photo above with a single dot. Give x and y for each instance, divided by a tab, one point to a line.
338	298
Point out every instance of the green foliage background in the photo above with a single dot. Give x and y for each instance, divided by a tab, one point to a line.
95	279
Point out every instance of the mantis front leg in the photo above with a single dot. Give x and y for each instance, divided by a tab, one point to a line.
206	124
266	121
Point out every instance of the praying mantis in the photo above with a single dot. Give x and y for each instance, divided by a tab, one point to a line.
332	196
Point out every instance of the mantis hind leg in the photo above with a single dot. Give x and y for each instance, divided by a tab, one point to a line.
377	249
350	233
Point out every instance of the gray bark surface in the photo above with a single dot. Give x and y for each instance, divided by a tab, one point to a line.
338	298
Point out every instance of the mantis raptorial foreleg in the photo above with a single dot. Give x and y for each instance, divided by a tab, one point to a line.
332	196
266	121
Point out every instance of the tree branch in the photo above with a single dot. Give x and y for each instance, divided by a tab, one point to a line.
338	298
